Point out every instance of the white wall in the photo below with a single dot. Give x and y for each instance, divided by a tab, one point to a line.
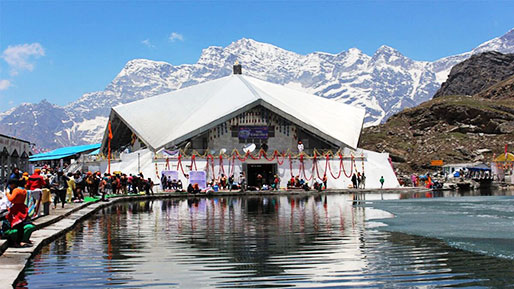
375	166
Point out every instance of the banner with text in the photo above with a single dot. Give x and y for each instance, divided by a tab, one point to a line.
258	132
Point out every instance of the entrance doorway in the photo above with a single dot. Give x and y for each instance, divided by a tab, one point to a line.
267	171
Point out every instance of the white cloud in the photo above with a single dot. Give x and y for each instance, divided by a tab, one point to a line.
174	36
4	84
19	56
147	43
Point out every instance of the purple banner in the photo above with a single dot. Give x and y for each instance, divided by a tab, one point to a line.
198	177
258	132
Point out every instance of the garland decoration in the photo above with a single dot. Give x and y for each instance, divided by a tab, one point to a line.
280	158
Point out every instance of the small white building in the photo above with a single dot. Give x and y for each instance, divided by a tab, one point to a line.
207	126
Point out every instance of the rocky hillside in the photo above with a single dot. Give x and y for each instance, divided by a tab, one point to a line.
383	83
454	128
501	90
477	73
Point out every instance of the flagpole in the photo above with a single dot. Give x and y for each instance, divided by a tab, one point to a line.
109	149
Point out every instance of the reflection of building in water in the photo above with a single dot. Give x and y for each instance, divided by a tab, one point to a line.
14	153
264	234
241	124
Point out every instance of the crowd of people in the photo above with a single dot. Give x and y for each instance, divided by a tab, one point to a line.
24	193
73	187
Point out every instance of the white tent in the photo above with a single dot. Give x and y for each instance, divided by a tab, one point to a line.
170	118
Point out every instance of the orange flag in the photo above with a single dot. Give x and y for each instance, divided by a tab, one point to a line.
110	130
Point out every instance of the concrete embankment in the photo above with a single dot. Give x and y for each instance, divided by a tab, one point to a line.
60	221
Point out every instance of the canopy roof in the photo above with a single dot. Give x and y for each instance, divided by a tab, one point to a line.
501	158
173	117
61	153
479	167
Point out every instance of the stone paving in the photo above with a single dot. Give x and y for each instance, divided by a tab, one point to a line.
14	260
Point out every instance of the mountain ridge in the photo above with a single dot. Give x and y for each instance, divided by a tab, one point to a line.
472	117
383	83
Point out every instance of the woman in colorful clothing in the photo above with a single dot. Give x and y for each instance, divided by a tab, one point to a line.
18	212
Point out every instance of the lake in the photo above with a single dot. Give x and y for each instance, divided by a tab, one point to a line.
315	241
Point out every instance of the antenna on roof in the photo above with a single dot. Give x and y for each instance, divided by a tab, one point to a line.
238	69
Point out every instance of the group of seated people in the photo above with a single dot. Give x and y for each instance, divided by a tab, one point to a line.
224	183
265	184
220	183
193	188
298	183
171	185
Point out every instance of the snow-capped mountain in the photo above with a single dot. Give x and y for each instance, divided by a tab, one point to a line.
383	83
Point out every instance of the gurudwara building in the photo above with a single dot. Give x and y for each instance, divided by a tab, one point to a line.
239	124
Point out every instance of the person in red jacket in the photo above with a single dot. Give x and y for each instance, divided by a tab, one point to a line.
18	212
36	181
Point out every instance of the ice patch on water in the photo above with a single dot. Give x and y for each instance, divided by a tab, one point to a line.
480	224
371	225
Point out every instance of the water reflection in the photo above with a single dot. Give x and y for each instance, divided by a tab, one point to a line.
283	241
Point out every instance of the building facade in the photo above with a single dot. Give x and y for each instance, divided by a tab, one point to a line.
14	153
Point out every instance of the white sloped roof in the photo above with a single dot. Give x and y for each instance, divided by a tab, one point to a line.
176	116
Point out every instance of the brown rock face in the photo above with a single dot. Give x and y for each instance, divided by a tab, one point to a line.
477	73
452	129
501	90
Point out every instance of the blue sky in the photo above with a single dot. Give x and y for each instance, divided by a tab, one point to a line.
59	50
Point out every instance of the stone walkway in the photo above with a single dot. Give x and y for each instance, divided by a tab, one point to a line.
13	260
60	221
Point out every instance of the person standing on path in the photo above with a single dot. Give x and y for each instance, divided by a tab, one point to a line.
242	180
149	186
36	182
382	182
70	191
59	185
354	181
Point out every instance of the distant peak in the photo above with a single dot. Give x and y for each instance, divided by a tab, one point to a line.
387	51
248	42
385	48
354	50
